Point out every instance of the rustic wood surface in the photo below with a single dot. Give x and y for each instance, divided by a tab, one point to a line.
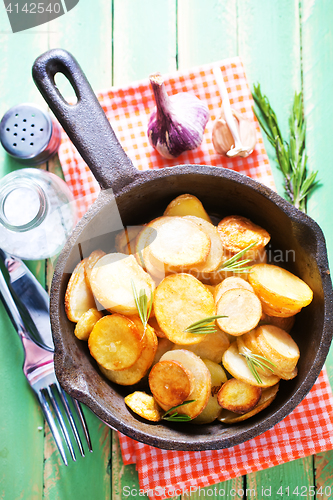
287	46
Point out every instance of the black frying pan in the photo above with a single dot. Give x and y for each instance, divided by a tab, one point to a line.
142	196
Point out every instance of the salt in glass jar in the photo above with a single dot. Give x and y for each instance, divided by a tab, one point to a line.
37	214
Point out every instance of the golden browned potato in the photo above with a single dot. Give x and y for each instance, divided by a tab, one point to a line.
115	342
179	301
90	262
228	284
177	242
78	297
201	381
111	281
163	346
285	324
86	323
242	311
267	397
281	292
144	405
278	346
170	382
237	233
135	373
250	341
238	396
237	366
187	204
125	240
213	409
153	323
215	255
211	347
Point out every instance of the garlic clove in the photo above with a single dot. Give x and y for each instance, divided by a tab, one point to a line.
223	140
178	122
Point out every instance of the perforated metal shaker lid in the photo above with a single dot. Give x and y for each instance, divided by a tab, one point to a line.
28	134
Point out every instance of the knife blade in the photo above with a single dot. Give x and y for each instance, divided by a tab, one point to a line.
32	300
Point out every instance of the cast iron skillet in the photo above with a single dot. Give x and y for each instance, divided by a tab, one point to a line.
142	196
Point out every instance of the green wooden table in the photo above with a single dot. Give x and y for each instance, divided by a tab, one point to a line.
285	45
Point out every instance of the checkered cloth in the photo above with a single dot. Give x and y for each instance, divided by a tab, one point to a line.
305	431
309	428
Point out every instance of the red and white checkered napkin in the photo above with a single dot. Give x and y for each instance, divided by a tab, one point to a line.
309	428
128	110
305	431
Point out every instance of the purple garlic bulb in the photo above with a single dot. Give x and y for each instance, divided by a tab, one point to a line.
178	122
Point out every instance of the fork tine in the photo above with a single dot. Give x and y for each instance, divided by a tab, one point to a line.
82	419
53	428
70	417
60	420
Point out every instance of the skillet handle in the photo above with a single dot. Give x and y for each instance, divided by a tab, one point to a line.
84	122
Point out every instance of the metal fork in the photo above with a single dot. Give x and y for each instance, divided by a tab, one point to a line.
38	368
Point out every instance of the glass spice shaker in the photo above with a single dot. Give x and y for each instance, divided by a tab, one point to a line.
37	214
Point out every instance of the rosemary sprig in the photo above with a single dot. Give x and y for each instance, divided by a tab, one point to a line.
203	326
176	417
141	302
254	361
291	157
235	264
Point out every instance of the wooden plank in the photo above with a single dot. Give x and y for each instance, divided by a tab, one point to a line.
21	421
90	476
291	480
234	488
86	32
144	39
207	31
317	48
269	45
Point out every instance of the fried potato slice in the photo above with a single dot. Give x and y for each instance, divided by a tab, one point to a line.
115	342
125	240
285	324
237	232
153	323
78	297
163	346
237	366
179	243
278	346
179	301
249	341
280	291
144	405
135	373
170	382
238	396
213	409
215	255
111	282
242	311
267	397
230	283
187	204
90	262
211	347
201	381
86	323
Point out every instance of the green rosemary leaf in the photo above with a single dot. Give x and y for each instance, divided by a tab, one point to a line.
291	158
176	417
203	326
256	360
235	264
141	302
